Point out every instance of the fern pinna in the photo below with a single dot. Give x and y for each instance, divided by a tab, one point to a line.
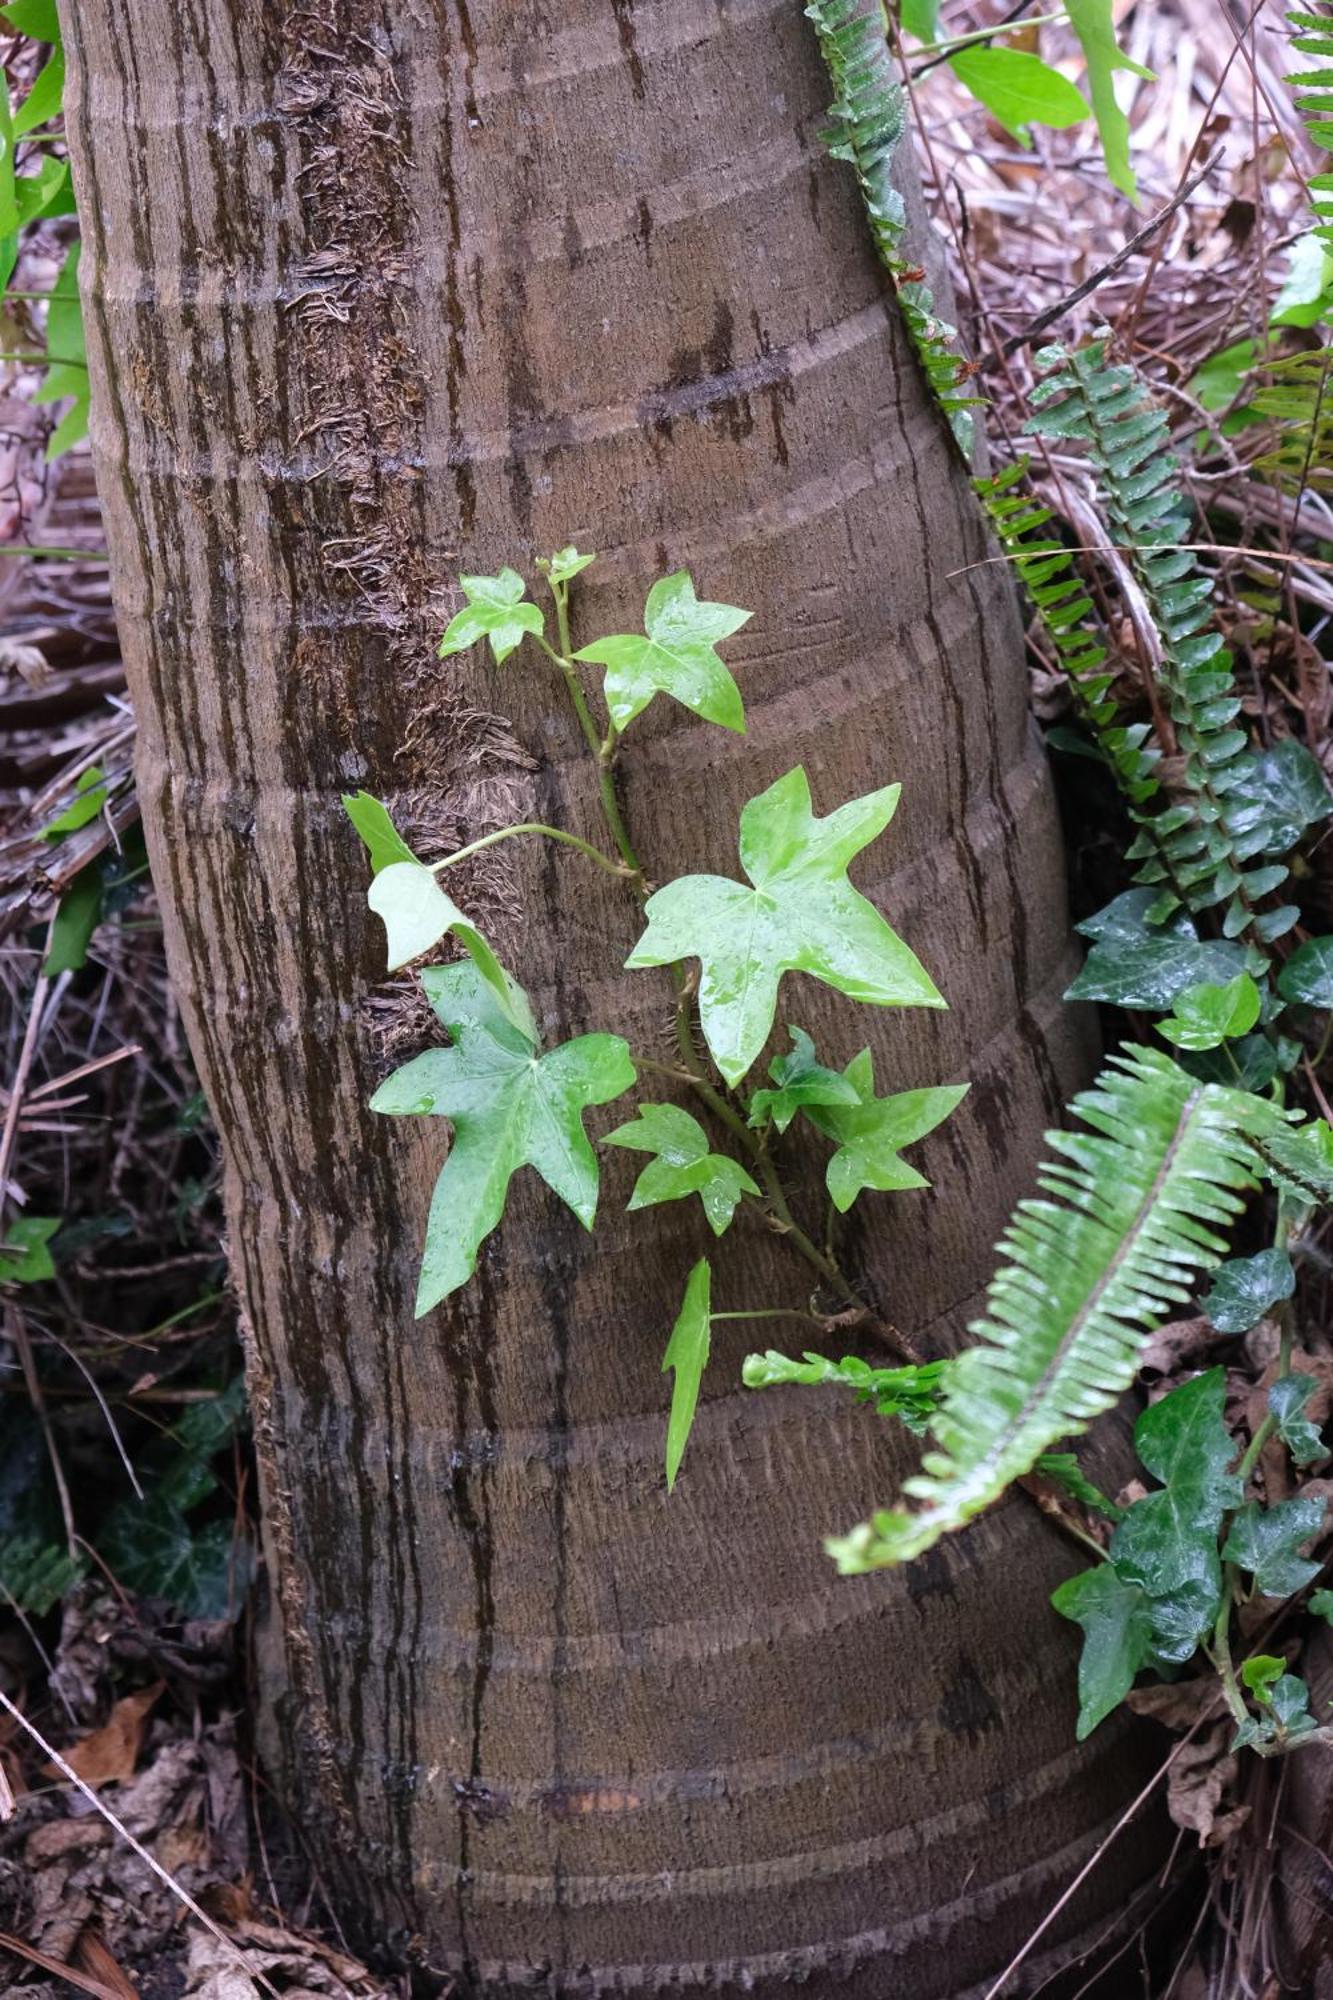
1202	848
1046	569
1296	392
1132	1213
868	117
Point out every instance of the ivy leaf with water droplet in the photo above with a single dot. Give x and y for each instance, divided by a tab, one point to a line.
1167	1542
687	1356
496	611
684	1165
1117	1639
1245	1288
872	1132
1266	1541
801	915
1133	963
676	655
510	1106
800	1079
1300	1434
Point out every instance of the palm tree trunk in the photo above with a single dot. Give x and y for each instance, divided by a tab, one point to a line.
381	288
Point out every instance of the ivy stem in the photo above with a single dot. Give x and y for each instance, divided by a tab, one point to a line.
775	1202
602	748
1221	1647
615	868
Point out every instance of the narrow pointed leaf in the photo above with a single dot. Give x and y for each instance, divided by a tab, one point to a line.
686	1357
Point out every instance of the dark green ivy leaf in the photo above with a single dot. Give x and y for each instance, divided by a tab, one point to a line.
800	1079
801	915
684	1165
1321	1605
1287	1400
1287	789
1265	1541
1167	1542
1136	964
1245	1288
153	1550
1117	1639
1307	976
510	1107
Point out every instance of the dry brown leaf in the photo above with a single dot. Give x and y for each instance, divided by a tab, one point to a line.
302	1968
1178	1342
1201	1774
92	1956
1180	1704
109	1756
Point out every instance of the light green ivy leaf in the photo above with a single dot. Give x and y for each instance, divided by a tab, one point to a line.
496	611
374	823
801	915
567	563
687	1356
510	1107
417	913
1203	1017
67	358
684	1164
1018	89
677	655
25	1258
911	1393
799	1079
872	1133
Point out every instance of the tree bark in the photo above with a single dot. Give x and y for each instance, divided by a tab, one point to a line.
379	289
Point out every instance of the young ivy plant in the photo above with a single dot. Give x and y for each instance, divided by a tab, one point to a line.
727	945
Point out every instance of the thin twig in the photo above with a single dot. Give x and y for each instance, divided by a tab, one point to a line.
1104	271
118	1826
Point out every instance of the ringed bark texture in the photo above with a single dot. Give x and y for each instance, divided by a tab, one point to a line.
381	288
